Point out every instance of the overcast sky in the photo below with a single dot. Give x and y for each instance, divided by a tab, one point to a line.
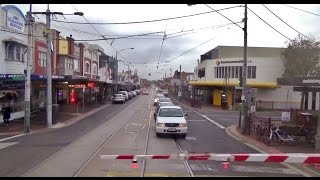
146	54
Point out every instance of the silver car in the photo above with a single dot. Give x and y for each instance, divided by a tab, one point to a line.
118	98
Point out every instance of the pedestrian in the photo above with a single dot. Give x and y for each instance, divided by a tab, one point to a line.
6	111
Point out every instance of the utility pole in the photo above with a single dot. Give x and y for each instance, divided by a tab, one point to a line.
244	76
116	73
180	85
49	68
30	21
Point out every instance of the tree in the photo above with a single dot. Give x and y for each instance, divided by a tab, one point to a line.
301	58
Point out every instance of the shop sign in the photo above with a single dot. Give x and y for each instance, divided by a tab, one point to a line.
77	85
12	76
15	20
299	81
37	77
91	85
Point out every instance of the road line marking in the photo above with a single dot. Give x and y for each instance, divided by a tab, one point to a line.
196	120
4	145
4	139
217	124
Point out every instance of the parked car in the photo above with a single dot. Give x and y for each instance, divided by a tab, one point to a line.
171	120
118	98
166	93
145	92
137	91
130	95
125	94
134	93
156	99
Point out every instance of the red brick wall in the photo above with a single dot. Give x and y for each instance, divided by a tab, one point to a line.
38	69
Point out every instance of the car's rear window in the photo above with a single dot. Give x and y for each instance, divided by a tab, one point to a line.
170	112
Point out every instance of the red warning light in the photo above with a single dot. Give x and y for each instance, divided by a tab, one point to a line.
225	165
134	165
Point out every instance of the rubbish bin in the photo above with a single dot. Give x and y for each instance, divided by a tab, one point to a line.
224	104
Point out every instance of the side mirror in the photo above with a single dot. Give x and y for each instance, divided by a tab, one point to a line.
185	114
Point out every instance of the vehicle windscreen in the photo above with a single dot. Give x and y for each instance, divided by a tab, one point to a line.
118	95
170	112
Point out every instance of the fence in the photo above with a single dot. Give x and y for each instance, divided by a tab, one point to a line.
300	129
274	105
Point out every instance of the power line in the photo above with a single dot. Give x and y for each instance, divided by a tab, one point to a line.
269	24
302	10
155	20
123	37
207	27
164	37
223	16
94	34
97	31
215	27
191	49
286	23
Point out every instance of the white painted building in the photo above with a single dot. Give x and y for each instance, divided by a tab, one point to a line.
220	69
13	56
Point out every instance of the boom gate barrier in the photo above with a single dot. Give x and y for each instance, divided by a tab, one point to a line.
270	158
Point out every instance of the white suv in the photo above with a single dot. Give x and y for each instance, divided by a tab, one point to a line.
171	120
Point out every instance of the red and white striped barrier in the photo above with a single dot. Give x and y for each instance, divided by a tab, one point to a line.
275	158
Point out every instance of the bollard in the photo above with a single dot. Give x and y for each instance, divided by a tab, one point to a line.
78	107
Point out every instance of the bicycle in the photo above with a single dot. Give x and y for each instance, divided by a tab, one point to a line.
280	135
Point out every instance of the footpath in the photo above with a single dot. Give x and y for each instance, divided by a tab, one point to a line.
250	140
63	115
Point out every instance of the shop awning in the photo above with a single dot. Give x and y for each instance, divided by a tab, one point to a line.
232	84
13	39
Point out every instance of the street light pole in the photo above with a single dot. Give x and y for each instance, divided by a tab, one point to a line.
244	76
30	21
117	66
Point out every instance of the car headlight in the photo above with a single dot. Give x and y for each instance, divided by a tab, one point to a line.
183	125
160	124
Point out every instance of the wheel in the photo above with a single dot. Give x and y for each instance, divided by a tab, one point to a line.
158	134
184	135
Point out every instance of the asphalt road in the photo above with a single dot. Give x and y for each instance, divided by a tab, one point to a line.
32	149
205	134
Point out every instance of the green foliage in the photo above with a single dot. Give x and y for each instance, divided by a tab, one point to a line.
301	57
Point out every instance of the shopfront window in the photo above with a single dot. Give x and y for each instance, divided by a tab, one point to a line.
14	51
76	65
94	69
12	98
42	59
10	52
87	67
